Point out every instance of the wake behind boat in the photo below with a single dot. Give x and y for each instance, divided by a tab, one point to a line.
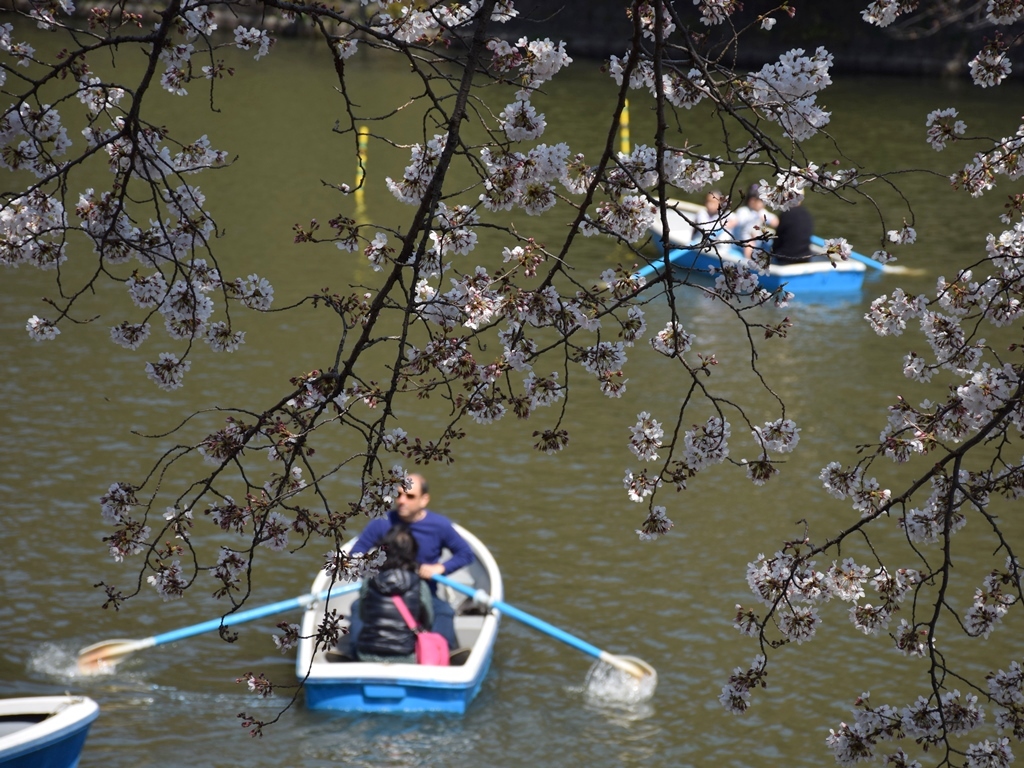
334	681
818	275
44	731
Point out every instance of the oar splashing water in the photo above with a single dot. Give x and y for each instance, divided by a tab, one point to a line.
619	678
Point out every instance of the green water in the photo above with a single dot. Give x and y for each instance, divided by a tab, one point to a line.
560	527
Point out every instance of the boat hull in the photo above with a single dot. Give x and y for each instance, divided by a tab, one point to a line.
44	731
355	686
386	691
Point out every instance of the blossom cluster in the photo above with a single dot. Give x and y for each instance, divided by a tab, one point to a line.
170	581
991	65
943	127
33	139
714	12
882	13
534	62
31	231
926	720
735	696
1004	159
131	535
34	227
993	599
789	188
410	24
349	567
646	436
654	25
656	525
679	88
790	586
786	92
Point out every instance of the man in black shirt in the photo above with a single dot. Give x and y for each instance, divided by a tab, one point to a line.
792	241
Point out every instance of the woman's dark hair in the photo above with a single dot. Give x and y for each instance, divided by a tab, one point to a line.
400	548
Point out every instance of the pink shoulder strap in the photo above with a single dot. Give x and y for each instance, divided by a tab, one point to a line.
404	610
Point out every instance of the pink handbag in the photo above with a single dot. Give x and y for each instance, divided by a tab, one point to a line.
431	647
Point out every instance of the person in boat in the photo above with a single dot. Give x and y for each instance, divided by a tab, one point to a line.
792	243
750	221
384	635
433	533
713	220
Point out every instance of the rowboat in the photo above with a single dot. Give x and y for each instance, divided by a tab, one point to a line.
44	731
816	276
336	682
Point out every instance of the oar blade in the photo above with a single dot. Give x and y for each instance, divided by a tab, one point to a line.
631	665
102	657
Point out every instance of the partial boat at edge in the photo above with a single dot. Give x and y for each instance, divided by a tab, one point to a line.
44	731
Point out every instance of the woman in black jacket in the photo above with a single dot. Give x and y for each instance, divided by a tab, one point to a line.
384	635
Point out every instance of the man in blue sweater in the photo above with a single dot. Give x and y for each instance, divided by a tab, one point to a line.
433	533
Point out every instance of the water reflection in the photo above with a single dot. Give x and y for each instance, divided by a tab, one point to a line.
391	742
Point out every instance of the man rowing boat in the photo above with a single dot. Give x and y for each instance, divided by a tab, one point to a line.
433	533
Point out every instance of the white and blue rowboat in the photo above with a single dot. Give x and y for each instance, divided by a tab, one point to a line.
44	731
818	275
333	681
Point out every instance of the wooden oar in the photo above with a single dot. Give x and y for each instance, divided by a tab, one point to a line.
626	665
102	656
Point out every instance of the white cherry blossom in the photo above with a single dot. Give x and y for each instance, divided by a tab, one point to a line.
246	39
41	329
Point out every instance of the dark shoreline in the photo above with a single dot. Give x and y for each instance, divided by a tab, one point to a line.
597	29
